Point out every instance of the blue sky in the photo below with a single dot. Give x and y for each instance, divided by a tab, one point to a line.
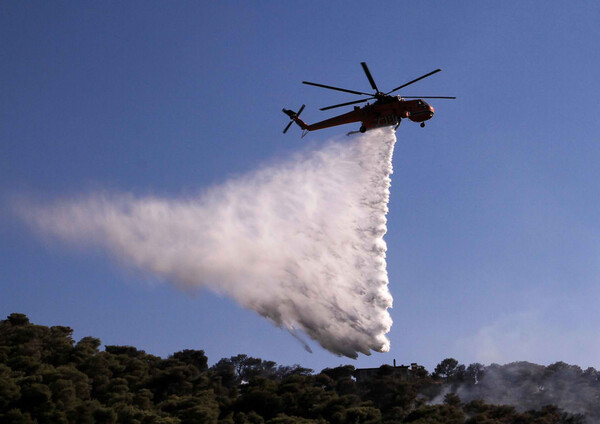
493	251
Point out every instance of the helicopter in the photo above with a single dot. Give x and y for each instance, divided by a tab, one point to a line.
387	110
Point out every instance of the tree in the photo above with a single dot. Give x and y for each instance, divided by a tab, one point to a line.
45	377
199	408
452	399
197	358
434	414
475	373
260	395
446	368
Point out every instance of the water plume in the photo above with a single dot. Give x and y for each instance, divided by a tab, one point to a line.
299	242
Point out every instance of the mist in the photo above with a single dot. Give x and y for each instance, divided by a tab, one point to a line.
299	242
527	386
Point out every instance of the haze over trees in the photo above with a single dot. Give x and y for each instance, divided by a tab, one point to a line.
47	377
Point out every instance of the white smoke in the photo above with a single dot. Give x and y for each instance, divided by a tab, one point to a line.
301	243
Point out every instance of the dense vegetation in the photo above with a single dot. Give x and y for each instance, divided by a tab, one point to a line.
46	377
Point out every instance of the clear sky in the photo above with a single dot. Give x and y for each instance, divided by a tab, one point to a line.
493	229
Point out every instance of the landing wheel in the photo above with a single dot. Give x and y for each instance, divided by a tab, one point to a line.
422	124
363	129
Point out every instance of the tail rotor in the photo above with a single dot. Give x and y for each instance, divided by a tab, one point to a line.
293	117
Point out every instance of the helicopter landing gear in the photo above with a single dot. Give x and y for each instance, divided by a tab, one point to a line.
422	124
363	129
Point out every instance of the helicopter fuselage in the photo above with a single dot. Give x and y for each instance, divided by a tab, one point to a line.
386	111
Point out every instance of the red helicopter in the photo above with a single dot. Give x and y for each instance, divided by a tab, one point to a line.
387	110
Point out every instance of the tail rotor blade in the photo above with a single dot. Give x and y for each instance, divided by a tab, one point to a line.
288	127
300	111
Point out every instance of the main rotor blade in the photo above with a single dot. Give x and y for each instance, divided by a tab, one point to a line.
369	76
346	104
335	88
413	81
427	97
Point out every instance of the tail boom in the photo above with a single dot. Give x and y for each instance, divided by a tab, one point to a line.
346	118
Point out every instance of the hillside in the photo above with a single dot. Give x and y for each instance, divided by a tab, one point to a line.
47	377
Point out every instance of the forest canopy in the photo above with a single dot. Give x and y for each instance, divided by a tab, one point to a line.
47	377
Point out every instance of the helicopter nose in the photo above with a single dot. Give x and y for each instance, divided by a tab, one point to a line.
431	112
